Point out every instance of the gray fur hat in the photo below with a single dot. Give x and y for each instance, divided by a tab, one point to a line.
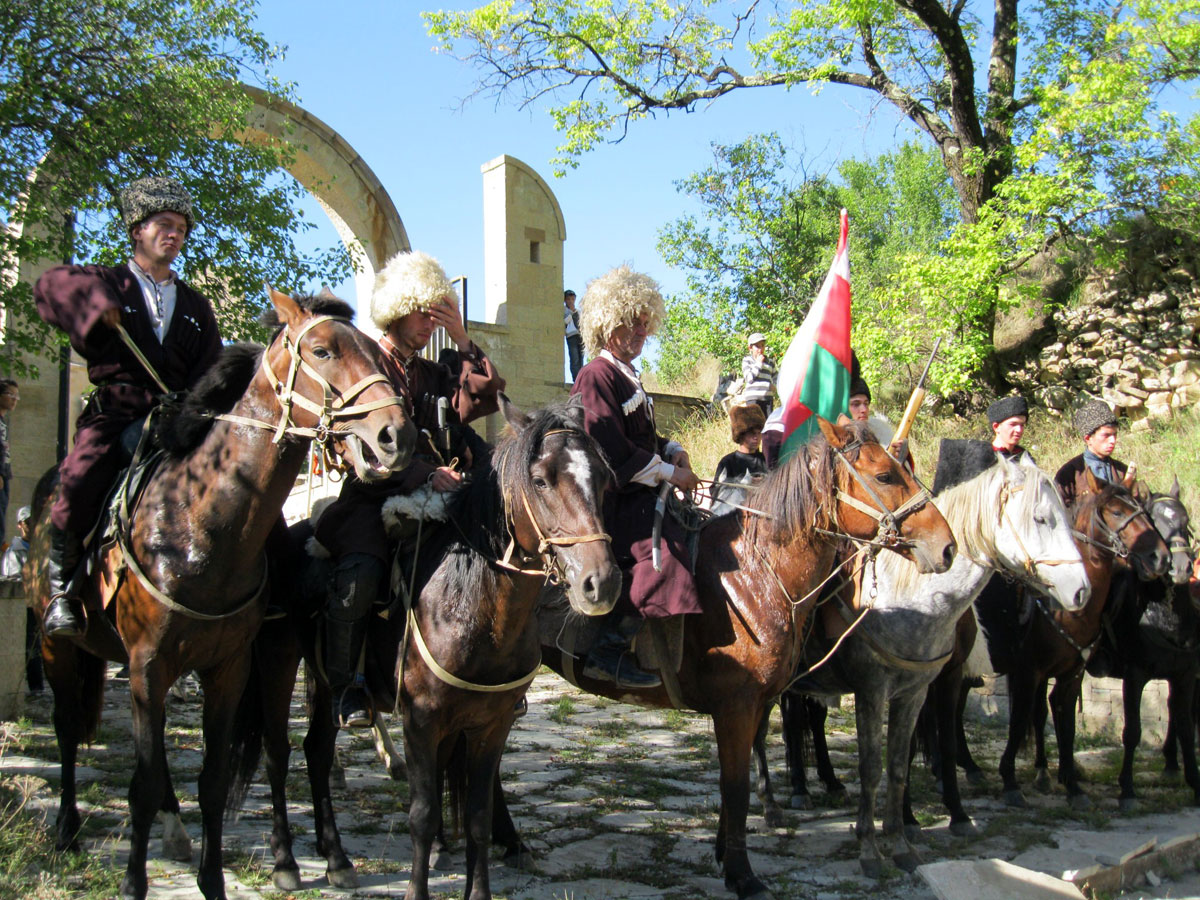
1006	408
1092	416
147	196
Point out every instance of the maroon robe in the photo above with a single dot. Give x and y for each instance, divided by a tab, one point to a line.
73	298
468	379
630	442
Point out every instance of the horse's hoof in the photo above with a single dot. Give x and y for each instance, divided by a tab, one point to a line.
1127	804
521	858
837	795
753	889
913	832
964	829
908	860
286	879
975	776
1080	802
1196	799
801	801
346	879
1170	776
1041	781
1014	798
774	816
397	771
872	868
939	787
439	858
178	848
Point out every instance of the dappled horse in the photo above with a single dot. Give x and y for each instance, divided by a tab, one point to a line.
1115	535
898	628
1152	630
468	648
190	570
756	573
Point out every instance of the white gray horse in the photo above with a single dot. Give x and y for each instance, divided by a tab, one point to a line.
1009	518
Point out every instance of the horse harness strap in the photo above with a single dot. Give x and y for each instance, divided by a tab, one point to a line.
550	569
890	659
453	680
888	533
1084	650
1029	562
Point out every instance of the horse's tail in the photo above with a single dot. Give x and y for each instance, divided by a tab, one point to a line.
247	735
91	691
456	784
800	749
927	727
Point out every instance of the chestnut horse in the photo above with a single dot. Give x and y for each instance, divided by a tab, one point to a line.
466	652
756	574
190	570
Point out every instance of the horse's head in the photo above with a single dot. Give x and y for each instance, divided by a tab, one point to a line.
553	477
1173	525
1112	519
878	498
1031	537
334	389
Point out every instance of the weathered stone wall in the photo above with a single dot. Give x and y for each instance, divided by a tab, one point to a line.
1132	340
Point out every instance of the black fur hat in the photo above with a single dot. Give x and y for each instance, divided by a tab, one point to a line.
960	461
1006	408
859	386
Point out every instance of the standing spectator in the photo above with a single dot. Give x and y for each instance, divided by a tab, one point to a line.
10	568
574	338
758	374
746	425
9	395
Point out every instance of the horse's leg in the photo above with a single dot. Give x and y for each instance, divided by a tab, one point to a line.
386	750
1041	765
148	684
868	715
794	718
1062	704
945	693
962	748
771	811
425	801
1131	697
223	686
1180	704
63	665
504	831
319	750
176	843
735	726
276	683
902	721
818	714
1020	703
1169	751
483	764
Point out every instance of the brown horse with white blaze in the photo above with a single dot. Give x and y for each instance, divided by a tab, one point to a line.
189	568
756	575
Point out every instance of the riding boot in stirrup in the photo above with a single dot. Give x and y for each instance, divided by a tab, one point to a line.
64	616
610	660
343	647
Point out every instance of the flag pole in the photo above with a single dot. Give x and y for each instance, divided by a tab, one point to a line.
914	403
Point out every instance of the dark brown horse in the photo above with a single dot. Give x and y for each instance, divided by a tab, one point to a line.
190	569
466	653
756	574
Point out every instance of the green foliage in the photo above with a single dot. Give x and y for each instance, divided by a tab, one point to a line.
93	96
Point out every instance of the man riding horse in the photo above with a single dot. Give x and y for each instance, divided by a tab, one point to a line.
620	310
103	310
1097	425
412	297
1008	417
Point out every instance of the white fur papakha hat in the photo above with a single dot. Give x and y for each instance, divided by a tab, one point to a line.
614	299
410	281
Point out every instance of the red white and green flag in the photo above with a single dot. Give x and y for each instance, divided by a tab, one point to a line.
814	377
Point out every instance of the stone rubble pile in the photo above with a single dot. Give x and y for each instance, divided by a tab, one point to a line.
1134	341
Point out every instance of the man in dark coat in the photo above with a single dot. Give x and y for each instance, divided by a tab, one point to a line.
412	297
745	425
1097	425
169	322
1008	417
620	309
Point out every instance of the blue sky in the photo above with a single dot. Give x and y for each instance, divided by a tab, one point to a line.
368	69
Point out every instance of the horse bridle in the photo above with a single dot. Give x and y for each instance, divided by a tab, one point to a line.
887	534
1030	563
333	405
1112	533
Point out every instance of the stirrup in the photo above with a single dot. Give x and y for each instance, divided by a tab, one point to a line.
348	713
623	674
64	617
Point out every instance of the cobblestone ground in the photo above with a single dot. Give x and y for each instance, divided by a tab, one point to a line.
616	801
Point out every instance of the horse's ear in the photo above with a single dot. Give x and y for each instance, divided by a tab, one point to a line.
326	293
1090	477
286	308
576	410
1138	489
835	434
1174	492
1130	479
512	415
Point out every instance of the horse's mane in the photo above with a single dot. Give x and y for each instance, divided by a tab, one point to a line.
970	509
801	491
183	424
476	531
322	304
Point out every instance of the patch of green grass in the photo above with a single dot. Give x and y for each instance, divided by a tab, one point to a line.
612	729
674	719
563	710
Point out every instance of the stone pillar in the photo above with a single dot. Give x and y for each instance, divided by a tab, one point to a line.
524	233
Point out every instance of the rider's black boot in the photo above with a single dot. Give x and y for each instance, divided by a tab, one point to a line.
355	588
610	660
64	616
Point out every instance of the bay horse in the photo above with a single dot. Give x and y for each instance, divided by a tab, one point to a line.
756	575
1007	518
465	652
1115	535
190	570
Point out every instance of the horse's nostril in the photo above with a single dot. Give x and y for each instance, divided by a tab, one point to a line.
948	554
387	437
589	587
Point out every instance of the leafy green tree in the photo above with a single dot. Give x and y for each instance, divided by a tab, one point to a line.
1069	141
95	95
